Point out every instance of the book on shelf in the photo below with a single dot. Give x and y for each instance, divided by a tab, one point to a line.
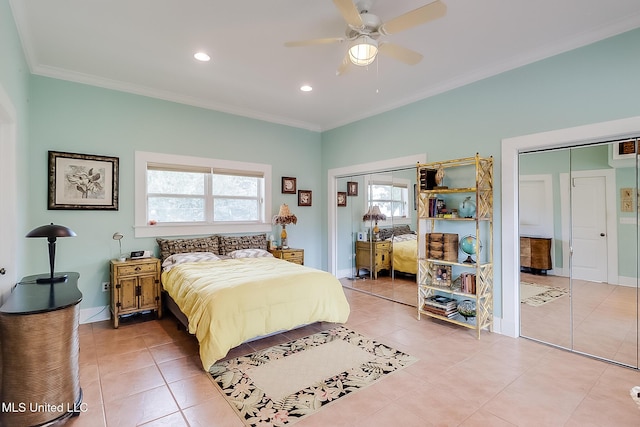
468	283
440	301
441	312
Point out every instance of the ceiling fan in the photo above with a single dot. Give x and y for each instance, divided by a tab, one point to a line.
364	29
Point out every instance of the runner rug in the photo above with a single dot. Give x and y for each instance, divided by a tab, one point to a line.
535	294
284	383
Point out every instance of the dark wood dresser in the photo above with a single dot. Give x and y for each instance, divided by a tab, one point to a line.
39	368
535	254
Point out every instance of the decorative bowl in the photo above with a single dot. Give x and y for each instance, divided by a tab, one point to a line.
467	308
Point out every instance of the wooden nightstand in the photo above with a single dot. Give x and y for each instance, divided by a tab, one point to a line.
295	256
380	259
135	287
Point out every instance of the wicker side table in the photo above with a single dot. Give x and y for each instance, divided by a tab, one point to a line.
39	371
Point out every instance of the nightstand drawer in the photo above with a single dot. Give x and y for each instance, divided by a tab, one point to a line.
295	256
129	270
291	255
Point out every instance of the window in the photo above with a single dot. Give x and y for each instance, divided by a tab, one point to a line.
185	195
392	196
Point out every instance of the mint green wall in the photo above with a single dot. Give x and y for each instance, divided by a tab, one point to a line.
14	81
588	85
592	84
76	118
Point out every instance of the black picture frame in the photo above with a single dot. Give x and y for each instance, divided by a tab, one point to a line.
352	188
289	185
342	198
304	197
82	181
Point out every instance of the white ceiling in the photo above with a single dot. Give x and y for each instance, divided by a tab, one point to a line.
146	47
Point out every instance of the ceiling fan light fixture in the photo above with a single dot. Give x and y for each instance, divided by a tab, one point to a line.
363	51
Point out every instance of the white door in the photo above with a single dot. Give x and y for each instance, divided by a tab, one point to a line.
536	206
589	228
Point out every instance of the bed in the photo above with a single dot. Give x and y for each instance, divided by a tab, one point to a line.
404	255
235	291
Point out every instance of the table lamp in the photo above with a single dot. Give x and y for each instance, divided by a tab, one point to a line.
283	218
374	214
52	232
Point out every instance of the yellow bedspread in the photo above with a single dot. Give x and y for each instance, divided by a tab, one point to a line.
405	256
231	301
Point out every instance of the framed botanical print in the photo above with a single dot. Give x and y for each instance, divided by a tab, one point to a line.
288	185
82	181
352	188
342	198
304	197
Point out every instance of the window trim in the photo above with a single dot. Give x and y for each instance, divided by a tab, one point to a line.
388	179
142	229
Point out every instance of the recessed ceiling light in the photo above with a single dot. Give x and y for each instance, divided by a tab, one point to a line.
306	88
201	56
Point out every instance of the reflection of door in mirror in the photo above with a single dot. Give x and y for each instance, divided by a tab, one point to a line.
587	299
366	260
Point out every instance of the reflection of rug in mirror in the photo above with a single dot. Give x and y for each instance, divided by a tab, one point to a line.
283	383
534	294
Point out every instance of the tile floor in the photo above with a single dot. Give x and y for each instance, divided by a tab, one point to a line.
596	318
148	373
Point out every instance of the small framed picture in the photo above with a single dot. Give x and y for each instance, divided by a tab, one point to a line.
442	275
352	188
342	198
304	197
288	185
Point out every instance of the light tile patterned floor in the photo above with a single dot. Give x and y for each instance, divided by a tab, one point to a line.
148	373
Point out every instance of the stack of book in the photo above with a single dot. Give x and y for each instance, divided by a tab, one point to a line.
468	283
441	305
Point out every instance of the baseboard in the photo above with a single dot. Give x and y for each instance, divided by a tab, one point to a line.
94	314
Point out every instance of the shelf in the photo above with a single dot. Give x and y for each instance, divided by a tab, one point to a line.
458	319
450	190
458	264
475	176
449	290
440	218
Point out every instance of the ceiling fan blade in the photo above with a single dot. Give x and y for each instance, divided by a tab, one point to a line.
349	12
315	41
400	53
345	66
416	17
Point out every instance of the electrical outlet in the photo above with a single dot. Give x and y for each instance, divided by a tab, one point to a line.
105	286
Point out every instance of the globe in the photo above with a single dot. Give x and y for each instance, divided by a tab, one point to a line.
467	208
468	246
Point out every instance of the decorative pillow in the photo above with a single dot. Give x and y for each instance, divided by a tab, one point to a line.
385	233
401	229
177	259
169	247
249	253
229	244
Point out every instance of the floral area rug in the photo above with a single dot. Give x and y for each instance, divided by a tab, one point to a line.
535	295
284	383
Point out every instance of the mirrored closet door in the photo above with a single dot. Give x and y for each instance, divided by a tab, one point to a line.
377	244
578	216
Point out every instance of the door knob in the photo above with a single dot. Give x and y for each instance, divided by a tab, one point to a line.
2	271
601	234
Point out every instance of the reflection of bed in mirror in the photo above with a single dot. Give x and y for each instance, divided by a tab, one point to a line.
404	248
